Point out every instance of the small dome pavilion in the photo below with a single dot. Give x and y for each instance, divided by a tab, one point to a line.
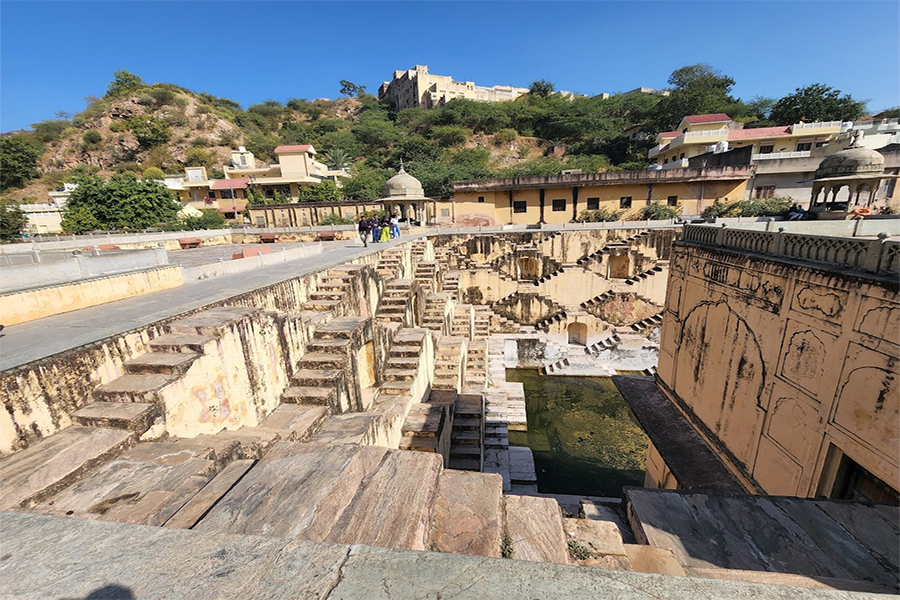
404	196
858	169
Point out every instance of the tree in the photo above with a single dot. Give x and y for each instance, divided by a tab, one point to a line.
351	89
61	114
816	102
324	191
18	161
698	89
541	88
337	158
365	183
123	83
153	173
12	221
120	203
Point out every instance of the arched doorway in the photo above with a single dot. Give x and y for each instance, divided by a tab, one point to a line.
577	333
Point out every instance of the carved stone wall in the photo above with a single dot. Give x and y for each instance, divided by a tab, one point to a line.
784	366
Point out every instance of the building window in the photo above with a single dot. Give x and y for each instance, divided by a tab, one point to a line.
681	157
767	149
520	206
672	200
480	198
625	202
593	203
804	147
820	144
559	205
212	194
765	191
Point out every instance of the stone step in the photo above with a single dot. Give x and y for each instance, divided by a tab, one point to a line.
500	442
350	428
521	464
310	395
322	361
397	387
600	537
467	514
296	422
316	377
464	464
424	420
133	416
392	508
134	388
296	490
322	305
496	460
405	351
180	342
250	442
327	295
341	327
327	346
334	285
403	362
467	423
391	374
202	502
465	450
650	559
213	321
45	467
161	362
466	437
418	444
535	527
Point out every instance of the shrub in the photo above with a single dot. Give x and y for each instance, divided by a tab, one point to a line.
658	212
92	137
505	136
149	131
755	207
598	216
117	127
198	157
335	219
200	141
161	96
153	173
211	219
49	131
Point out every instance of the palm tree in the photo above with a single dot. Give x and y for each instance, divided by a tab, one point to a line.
337	158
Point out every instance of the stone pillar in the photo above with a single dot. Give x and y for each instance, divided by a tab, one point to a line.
541	218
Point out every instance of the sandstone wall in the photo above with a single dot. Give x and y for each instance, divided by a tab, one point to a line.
786	368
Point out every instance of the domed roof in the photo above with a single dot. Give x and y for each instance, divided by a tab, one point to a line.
855	160
403	185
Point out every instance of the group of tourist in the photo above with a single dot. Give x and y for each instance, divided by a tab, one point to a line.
382	230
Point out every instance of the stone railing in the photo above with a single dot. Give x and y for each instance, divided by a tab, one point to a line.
778	155
818	125
875	255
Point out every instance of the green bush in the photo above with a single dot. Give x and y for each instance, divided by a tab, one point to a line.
324	191
598	216
198	157
117	127
153	173
18	161
658	212
335	219
91	137
211	219
162	96
505	136
149	131
755	207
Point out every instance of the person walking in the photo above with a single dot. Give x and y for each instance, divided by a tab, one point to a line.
385	230
395	226
364	231
376	231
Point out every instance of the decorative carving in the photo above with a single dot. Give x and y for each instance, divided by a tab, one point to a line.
829	303
882	322
804	359
792	425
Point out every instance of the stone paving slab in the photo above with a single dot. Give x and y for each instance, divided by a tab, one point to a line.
57	461
467	515
59	557
535	526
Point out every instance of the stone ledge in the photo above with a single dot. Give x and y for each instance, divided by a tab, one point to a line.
61	557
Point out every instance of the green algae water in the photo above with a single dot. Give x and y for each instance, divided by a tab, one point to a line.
582	433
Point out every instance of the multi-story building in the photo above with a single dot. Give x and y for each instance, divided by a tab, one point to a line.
417	88
561	199
785	158
296	167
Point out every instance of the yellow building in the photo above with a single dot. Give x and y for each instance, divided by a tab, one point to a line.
296	167
697	133
561	199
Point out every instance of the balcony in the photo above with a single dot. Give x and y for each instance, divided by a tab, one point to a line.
820	125
676	164
777	155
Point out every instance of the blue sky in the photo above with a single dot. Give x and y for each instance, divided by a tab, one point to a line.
53	54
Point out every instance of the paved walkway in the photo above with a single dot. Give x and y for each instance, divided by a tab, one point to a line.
21	344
